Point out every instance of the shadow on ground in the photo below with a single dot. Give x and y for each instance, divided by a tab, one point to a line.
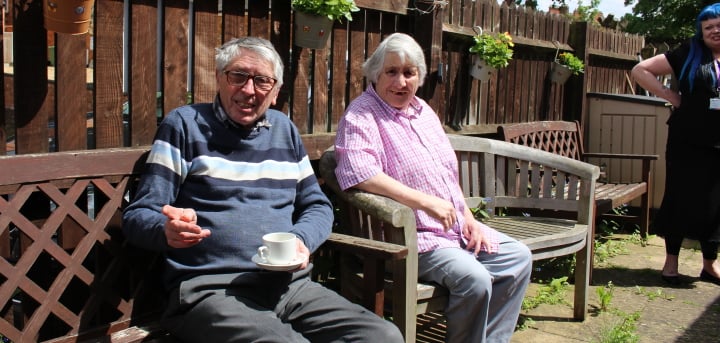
686	313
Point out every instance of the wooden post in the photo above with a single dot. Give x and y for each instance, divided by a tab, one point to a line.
576	88
30	80
3	133
428	33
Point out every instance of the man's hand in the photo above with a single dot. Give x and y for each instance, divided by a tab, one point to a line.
302	253
181	229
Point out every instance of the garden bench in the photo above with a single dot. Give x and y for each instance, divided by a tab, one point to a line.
67	274
566	139
502	176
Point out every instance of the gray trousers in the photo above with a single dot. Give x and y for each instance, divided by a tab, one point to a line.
486	291
269	307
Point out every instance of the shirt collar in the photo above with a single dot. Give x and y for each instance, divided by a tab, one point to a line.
414	109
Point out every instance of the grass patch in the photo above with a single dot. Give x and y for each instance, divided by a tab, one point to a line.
652	295
623	331
553	293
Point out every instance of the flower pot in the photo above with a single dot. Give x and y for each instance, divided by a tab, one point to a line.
559	73
68	16
480	70
312	31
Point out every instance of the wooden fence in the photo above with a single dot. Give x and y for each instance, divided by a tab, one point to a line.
149	56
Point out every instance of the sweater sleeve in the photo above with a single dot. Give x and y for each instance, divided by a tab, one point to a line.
313	215
143	221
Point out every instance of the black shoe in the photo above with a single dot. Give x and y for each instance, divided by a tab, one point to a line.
671	280
705	276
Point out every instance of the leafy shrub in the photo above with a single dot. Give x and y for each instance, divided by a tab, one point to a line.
494	49
332	9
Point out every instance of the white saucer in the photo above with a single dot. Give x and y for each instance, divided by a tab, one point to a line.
278	267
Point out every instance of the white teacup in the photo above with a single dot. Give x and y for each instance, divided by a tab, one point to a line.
278	248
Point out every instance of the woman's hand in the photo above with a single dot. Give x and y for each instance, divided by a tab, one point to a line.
440	209
473	233
181	229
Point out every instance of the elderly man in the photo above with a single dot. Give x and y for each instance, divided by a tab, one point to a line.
220	176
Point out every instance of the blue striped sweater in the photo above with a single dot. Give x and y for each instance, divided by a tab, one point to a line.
242	184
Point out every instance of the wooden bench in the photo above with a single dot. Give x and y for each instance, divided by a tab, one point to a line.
67	274
504	176
566	139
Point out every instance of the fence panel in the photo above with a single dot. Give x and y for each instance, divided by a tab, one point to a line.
160	56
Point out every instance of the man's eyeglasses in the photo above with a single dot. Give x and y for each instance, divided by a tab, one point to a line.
240	78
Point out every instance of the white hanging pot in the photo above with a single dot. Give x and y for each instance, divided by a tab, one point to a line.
312	31
559	73
480	70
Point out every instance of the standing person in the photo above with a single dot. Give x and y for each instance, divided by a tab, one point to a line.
221	175
693	144
390	142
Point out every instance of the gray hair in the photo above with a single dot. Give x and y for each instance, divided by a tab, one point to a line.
407	49
234	48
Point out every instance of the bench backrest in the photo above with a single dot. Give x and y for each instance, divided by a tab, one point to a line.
563	138
66	269
501	174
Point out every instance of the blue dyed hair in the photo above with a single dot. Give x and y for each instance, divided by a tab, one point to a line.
696	44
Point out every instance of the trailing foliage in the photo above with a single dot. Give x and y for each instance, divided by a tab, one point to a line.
552	293
571	61
494	49
332	9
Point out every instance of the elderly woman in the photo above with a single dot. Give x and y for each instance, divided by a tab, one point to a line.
390	142
693	145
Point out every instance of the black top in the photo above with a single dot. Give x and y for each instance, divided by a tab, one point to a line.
693	122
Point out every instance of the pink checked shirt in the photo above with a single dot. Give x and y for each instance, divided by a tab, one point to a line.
412	148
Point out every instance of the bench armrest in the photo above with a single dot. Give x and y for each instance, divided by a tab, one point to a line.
366	247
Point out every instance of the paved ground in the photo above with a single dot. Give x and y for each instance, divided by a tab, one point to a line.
687	313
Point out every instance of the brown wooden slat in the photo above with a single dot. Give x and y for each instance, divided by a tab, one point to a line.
32	167
175	68
340	73
143	75
108	73
30	78
280	29
70	122
234	20
3	131
206	38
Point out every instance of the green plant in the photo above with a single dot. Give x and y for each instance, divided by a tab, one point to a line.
494	49
481	212
623	332
332	9
571	61
605	294
605	249
552	293
652	295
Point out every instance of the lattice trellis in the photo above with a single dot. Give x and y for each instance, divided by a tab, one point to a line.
66	268
560	138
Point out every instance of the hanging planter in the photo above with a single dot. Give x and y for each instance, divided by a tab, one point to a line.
68	16
312	31
559	73
314	20
564	65
489	52
480	70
